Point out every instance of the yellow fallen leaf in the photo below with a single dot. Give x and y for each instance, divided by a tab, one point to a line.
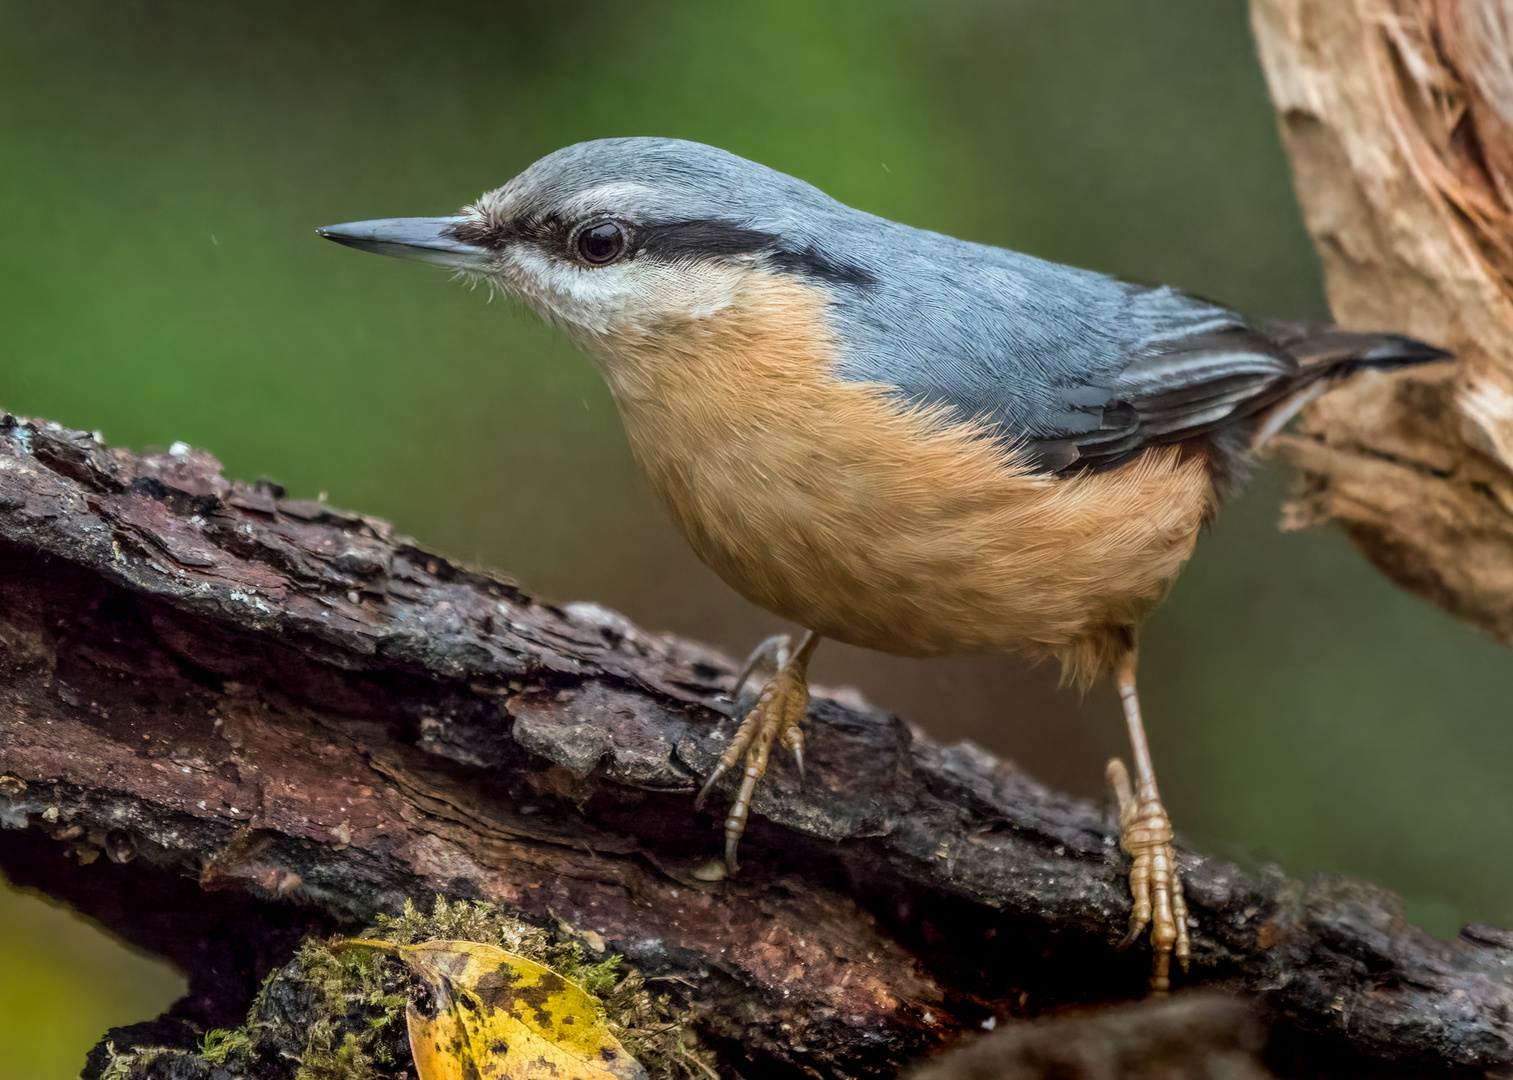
499	1016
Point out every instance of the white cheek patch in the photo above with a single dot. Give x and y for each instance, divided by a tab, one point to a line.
629	298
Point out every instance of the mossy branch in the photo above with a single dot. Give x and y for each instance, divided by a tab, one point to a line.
251	720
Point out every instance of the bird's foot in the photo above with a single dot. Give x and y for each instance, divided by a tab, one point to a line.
775	717
1145	832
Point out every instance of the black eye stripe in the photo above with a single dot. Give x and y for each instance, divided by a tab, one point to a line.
703	239
719	239
500	234
483	234
672	242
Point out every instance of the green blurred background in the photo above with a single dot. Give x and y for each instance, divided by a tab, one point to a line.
163	167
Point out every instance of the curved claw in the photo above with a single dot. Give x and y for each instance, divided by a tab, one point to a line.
698	800
792	739
1118	779
770	657
731	843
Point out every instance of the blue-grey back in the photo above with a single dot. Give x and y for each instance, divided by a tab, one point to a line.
1073	365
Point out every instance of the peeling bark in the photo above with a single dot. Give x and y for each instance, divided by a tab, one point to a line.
243	717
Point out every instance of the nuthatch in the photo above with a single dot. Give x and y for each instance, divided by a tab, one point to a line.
892	437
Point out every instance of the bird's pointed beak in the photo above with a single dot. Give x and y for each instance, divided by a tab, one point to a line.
431	240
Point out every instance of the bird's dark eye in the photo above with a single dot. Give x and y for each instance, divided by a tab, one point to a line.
601	243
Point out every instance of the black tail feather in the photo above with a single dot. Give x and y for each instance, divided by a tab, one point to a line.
1343	351
1328	357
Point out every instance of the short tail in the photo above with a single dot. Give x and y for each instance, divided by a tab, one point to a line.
1342	352
1324	359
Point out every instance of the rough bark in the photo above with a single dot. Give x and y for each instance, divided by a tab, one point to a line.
1398	119
271	716
1194	1037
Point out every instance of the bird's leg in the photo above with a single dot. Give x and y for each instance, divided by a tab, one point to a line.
1145	832
775	717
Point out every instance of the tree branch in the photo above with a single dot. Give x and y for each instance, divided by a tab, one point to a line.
271	716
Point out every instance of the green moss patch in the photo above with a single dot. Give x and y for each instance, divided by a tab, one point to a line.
340	1015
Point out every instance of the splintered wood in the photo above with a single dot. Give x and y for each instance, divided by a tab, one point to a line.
1398	118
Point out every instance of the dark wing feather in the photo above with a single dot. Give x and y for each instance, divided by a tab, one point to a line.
1186	368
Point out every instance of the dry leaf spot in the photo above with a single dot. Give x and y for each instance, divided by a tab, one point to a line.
494	1015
